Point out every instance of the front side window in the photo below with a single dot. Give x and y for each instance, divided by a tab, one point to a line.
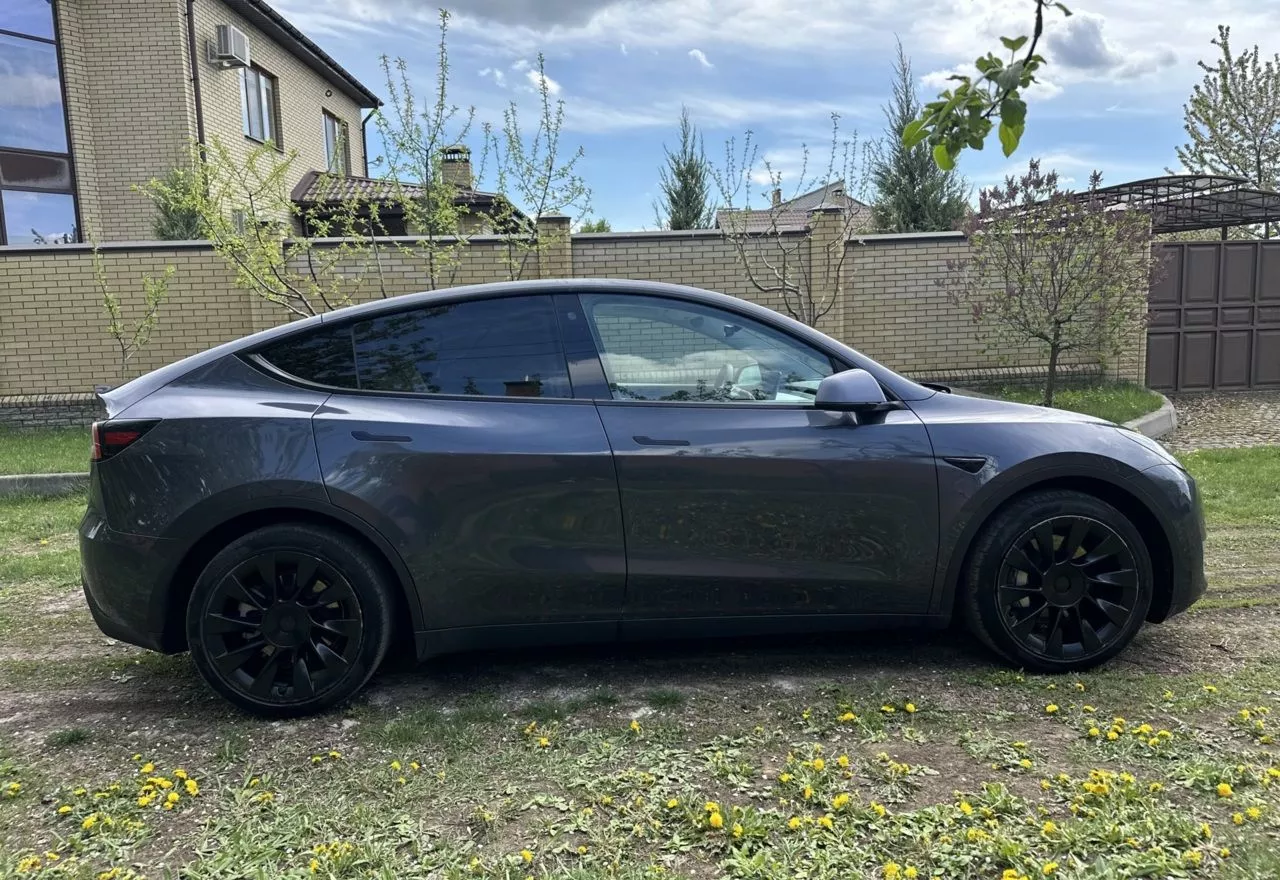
337	150
660	349
507	347
259	110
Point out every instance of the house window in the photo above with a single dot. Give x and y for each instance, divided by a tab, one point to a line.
337	145
259	107
37	196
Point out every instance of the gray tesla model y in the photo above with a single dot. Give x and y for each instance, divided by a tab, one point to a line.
529	462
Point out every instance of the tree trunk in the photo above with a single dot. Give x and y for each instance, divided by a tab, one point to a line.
1051	381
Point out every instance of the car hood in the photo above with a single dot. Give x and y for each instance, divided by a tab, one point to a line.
944	407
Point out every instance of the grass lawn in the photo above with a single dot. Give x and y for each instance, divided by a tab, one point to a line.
890	756
44	451
1114	401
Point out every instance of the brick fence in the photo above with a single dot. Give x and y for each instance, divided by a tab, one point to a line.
53	338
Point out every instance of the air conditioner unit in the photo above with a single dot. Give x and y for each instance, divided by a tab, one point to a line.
231	48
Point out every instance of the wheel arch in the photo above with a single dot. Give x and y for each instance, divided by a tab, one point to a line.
1121	494
406	610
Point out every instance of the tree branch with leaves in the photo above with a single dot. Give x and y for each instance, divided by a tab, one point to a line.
130	337
963	116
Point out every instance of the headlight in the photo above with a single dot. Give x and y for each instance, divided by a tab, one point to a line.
1151	446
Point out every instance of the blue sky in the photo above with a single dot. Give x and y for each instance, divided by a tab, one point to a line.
1119	72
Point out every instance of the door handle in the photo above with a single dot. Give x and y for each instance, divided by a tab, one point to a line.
380	438
653	441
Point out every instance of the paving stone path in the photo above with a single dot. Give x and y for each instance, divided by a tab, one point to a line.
1219	421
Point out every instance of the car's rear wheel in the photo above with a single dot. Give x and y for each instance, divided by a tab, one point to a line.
1057	581
289	619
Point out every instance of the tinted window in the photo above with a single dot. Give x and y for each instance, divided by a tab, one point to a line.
661	349
323	356
502	347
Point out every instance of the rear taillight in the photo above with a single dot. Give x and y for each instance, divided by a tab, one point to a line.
112	438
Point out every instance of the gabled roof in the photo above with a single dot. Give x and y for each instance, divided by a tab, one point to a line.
793	215
276	26
318	189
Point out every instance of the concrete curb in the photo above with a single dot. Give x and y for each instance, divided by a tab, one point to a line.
43	485
1156	424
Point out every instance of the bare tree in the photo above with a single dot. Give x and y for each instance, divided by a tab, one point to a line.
1057	269
768	233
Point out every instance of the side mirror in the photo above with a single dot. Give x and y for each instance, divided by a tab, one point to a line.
852	391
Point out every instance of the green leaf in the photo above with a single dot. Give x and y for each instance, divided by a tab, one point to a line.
1009	137
1013	111
914	133
942	157
1064	9
1013	44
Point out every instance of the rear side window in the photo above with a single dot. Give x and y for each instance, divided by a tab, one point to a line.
324	356
507	347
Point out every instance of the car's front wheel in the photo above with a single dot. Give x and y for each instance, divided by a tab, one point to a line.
1058	581
289	619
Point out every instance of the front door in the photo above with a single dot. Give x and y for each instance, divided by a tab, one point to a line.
739	498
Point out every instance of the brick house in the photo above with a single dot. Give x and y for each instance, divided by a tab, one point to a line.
97	97
793	215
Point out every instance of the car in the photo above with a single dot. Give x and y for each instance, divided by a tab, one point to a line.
540	462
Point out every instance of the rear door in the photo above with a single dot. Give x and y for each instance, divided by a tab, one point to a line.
740	498
458	437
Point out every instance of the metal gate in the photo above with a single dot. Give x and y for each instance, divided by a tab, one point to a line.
1215	317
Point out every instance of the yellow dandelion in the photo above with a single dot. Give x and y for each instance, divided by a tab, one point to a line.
147	769
1051	709
887	709
843	762
192	787
635	726
1156	786
1112	735
672	804
737	830
1205	831
1237	818
847	717
64	809
966	808
1049	869
1093	731
910	709
808	792
90	821
334	756
826	822
180	774
711	807
1224	790
1048	828
1025	764
543	742
891	871
527	855
1045	785
1210	689
793	823
785	777
1193	857
819	764
878	809
715	820
395	765
1254	813
1224	853
315	866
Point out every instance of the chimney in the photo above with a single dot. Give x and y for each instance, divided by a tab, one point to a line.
777	197
455	166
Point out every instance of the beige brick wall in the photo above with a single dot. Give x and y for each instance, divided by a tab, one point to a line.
300	94
124	66
131	105
53	337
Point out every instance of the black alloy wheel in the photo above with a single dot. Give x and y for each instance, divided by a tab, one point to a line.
283	626
1057	580
289	619
1068	587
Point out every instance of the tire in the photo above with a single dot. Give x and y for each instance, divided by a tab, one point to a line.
1070	609
279	648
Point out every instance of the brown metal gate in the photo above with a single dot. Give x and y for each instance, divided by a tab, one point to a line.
1215	317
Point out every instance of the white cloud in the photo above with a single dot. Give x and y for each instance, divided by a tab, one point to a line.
520	64
537	79
622	47
499	78
701	57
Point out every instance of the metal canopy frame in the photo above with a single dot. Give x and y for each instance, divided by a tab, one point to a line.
1186	202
